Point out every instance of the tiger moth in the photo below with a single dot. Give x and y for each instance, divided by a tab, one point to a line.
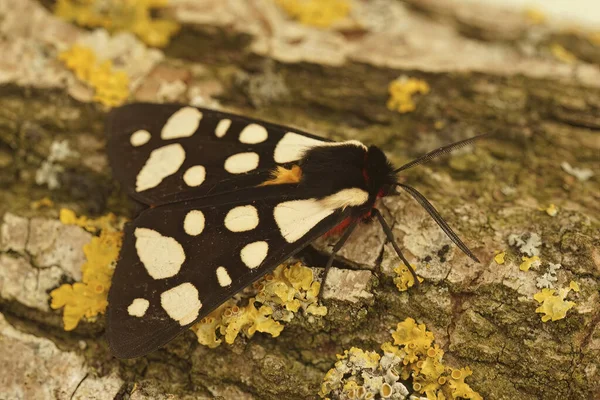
228	199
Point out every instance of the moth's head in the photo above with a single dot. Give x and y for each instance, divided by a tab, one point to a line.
379	173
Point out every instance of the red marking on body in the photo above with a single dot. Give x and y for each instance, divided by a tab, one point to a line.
341	227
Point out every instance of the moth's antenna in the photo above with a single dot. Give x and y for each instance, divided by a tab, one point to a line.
390	236
438	218
439	152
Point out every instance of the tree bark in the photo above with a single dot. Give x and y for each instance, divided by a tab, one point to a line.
494	73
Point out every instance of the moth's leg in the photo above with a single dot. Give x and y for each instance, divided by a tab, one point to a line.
336	248
390	237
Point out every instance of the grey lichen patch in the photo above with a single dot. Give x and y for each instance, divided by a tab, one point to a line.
14	233
21	282
50	243
93	387
148	390
347	285
35	255
34	368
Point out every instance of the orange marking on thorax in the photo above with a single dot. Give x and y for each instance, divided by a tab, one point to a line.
281	175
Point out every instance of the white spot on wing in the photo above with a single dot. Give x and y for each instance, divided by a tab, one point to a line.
297	217
193	224
162	162
223	277
346	198
194	176
222	127
241	219
181	303
162	256
183	123
292	146
253	134
138	307
241	162
139	138
254	254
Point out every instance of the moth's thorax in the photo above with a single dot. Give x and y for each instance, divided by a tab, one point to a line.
344	166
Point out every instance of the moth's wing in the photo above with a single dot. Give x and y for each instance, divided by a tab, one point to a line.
179	262
164	153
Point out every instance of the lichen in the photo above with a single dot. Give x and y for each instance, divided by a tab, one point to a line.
529	262
319	13
88	298
51	167
402	91
44	202
412	365
109	222
551	210
275	299
111	87
133	16
549	277
574	286
527	243
562	54
553	303
499	258
535	16
405	279
582	174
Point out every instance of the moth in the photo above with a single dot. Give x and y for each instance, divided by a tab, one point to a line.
228	199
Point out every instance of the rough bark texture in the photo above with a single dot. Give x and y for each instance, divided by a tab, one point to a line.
499	77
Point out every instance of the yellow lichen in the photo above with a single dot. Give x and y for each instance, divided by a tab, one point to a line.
133	16
594	38
88	298
552	210
562	54
44	202
529	262
460	390
415	338
431	371
412	357
361	358
534	16
109	222
499	258
320	13
289	289
553	304
111	87
405	279
574	286
401	93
